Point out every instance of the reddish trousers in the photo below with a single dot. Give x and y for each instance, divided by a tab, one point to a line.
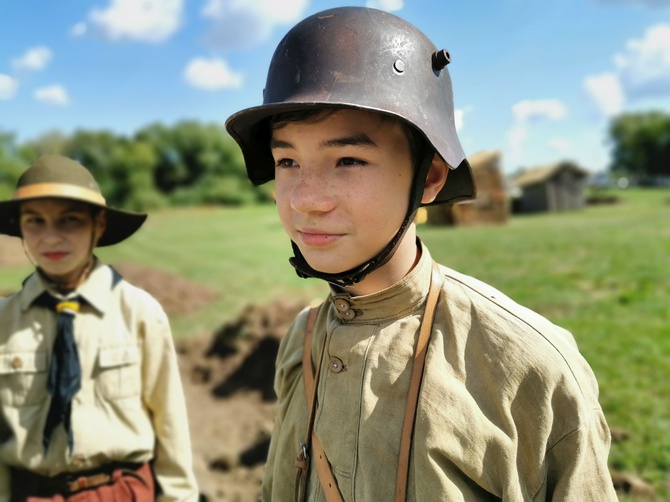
125	486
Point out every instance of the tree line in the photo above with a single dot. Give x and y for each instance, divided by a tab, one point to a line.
641	146
191	163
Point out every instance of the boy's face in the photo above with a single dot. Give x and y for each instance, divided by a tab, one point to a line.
59	235
342	186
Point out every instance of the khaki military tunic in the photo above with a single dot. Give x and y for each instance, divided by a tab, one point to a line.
508	408
130	407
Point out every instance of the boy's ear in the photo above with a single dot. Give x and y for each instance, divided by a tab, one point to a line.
435	180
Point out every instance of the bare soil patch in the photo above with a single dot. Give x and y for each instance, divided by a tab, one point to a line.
228	383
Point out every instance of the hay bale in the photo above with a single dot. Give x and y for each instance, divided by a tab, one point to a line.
490	206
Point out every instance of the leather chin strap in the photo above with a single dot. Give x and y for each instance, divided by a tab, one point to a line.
357	274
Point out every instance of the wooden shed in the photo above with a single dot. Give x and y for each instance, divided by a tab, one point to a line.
490	206
557	187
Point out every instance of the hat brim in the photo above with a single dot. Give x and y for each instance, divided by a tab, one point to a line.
120	224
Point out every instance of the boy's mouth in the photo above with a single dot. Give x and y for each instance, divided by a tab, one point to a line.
314	238
55	255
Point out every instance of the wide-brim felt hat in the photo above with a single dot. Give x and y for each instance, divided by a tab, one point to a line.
55	176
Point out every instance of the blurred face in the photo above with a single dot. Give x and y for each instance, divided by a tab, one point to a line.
342	189
60	236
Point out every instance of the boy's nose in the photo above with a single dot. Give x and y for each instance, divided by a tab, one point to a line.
312	193
52	235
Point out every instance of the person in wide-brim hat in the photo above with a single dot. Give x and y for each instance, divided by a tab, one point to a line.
55	176
91	352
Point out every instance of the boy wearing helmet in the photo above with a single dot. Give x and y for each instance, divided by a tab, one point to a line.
91	403
412	381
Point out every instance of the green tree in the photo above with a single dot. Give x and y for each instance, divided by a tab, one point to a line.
94	150
641	144
49	142
131	167
11	166
199	164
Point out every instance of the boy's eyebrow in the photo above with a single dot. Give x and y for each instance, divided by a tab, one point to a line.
277	143
353	140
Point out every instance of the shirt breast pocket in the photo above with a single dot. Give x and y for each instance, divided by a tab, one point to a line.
118	372
23	378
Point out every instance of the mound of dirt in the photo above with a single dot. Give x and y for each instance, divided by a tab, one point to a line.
228	382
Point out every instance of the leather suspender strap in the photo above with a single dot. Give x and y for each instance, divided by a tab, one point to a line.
311	380
302	461
415	383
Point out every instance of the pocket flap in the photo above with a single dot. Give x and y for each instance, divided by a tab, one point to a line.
119	356
23	362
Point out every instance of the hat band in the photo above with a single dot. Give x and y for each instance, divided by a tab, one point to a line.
58	190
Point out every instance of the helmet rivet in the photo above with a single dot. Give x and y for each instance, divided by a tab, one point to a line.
441	59
399	66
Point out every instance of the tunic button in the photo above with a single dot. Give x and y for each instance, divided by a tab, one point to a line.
349	315
342	305
336	365
17	363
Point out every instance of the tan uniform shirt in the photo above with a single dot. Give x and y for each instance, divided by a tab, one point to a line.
508	408
131	405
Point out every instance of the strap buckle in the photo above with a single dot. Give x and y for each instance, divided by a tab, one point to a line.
302	461
83	482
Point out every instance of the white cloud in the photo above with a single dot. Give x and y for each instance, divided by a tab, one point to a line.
245	23
8	87
644	66
641	70
526	112
605	89
79	30
141	20
211	74
560	145
516	137
34	59
388	5
538	110
53	94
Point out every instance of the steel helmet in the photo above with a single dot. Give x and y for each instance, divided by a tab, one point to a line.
365	59
361	58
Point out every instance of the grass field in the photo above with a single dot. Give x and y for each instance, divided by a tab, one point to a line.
603	273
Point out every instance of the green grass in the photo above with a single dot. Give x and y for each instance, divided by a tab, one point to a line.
603	273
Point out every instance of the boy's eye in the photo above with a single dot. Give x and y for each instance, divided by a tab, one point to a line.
71	220
350	161
32	220
286	163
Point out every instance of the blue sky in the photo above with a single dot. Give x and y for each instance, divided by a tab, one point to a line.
537	79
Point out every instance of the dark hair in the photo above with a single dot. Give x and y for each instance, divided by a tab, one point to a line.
415	139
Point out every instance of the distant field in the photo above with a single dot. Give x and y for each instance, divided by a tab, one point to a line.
603	273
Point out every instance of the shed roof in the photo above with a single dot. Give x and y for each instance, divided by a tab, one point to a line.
541	174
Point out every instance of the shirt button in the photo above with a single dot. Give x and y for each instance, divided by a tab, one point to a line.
335	364
17	363
349	315
342	305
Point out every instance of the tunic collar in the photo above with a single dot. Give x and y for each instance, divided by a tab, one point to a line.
404	297
96	289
